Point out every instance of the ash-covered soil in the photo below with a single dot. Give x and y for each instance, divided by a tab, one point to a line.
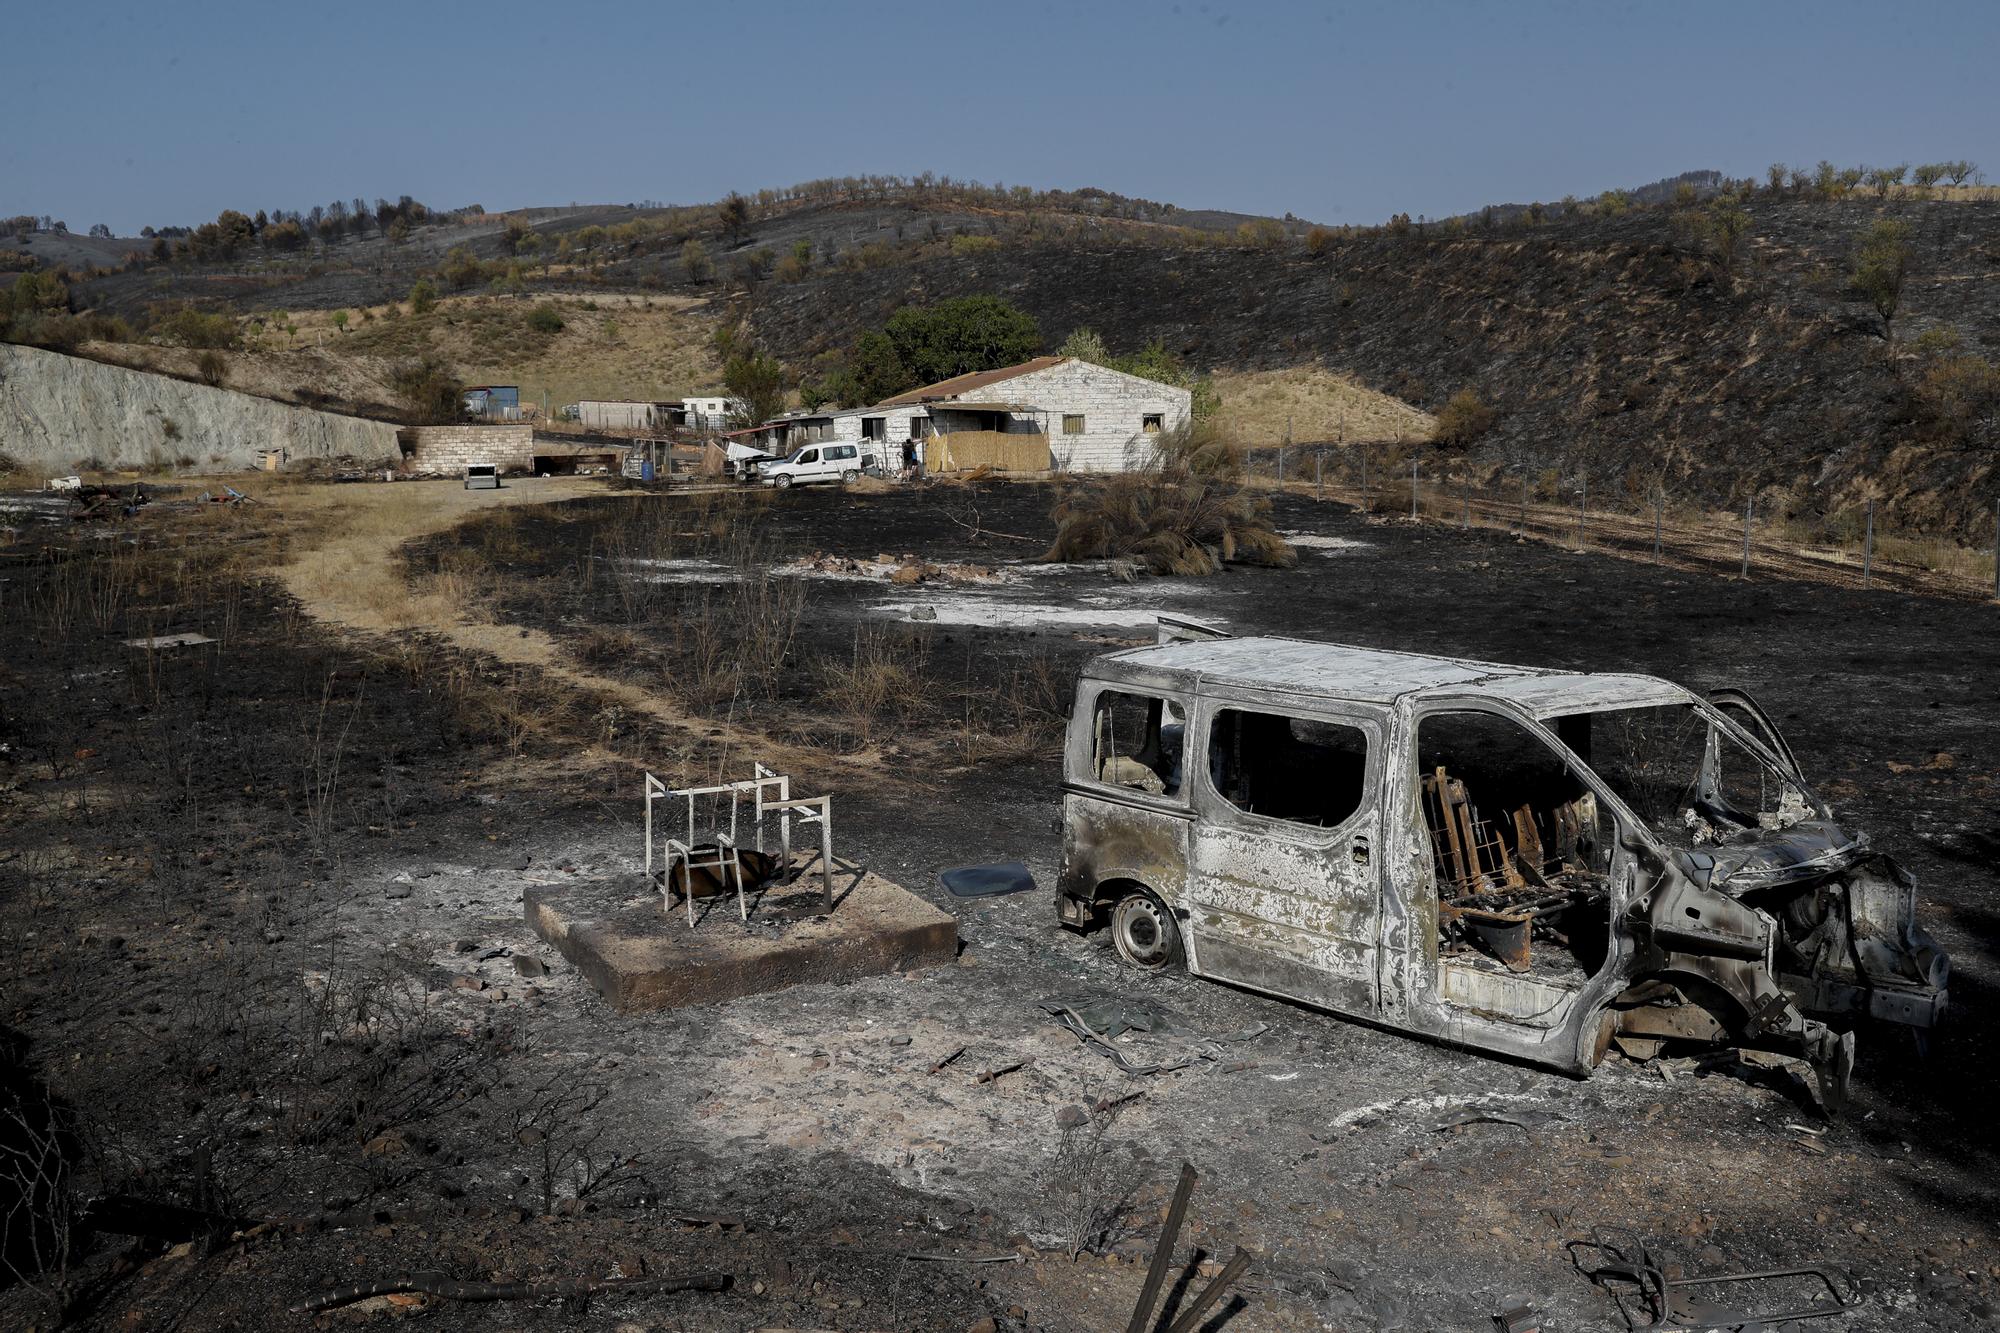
303	989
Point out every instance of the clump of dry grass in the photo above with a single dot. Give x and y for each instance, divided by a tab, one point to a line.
1187	513
884	678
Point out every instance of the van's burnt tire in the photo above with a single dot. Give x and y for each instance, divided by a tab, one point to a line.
849	477
782	482
1145	934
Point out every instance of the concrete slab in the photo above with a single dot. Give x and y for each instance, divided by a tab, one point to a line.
640	958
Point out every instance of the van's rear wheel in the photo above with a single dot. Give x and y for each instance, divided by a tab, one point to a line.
1144	932
782	481
849	477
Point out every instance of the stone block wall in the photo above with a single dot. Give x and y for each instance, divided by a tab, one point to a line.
1113	406
446	450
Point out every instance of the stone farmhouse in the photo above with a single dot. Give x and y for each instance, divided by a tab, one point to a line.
1088	418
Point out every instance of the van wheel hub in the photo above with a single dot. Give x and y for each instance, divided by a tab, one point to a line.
1144	933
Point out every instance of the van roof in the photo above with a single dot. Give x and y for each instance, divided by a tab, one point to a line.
1377	675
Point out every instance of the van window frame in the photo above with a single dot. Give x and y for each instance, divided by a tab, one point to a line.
1373	728
1627	824
1080	762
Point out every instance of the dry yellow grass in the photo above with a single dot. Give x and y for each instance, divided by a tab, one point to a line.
642	347
1319	404
346	570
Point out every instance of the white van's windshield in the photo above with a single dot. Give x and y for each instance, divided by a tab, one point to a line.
1683	773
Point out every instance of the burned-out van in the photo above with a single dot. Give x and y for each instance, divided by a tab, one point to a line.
1531	862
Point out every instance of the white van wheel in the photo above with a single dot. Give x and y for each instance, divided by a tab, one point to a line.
1145	933
782	481
849	477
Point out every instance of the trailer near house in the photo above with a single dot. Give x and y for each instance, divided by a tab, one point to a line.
1531	862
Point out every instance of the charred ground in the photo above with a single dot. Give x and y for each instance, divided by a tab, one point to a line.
218	956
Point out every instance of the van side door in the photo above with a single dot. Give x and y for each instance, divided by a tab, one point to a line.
1284	884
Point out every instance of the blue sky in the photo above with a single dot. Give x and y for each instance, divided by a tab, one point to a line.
163	113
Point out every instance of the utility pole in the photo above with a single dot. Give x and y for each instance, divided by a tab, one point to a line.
1748	505
1659	503
1413	490
1582	506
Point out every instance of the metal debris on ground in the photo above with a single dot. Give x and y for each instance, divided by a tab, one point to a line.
990	1075
1099	1020
988	881
1190	1318
100	502
1647	1299
186	640
1517	1314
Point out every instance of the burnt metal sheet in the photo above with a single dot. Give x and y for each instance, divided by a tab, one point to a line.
1375	675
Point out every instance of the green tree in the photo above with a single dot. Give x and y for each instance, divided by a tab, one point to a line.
695	261
430	389
733	214
340	320
1085	345
960	336
423	297
759	381
545	319
1463	419
1880	265
1885	179
460	269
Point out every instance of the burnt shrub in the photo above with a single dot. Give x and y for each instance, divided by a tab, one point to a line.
1186	513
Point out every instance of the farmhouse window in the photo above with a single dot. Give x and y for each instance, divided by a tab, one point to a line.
872	428
1153	422
1072	423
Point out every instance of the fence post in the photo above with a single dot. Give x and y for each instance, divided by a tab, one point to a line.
1319	480
1468	504
1413	490
1868	546
1659	503
1582	507
1522	526
1996	550
1747	506
1364	479
1281	467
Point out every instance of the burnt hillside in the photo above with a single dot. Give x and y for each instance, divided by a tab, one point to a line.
1609	346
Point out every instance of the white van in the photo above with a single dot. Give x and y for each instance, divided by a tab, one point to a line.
821	462
1524	861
